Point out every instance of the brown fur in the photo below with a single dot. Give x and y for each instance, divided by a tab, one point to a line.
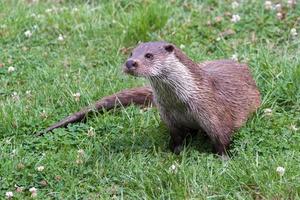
139	96
214	96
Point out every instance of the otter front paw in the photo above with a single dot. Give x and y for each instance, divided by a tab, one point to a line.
176	148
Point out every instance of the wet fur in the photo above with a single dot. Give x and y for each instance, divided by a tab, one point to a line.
216	97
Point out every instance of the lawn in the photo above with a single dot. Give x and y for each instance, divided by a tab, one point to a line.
57	56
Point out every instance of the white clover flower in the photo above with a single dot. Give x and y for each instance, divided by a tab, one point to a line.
80	155
28	92
173	168
279	16
293	32
57	178
48	10
28	33
39	16
19	189
24	48
235	18
43	114
9	194
218	38
3	26
62	9
234	5
80	152
43	183
14	152
218	19
77	96
182	46
294	128
235	57
60	37
278	7
280	171
33	190
11	69
15	96
79	161
40	168
75	9
268	111
268	5
20	166
291	3
91	132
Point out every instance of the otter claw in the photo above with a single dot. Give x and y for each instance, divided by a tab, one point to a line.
177	149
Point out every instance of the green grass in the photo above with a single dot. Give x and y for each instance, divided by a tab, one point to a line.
128	158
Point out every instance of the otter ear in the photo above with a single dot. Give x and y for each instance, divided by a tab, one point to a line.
169	48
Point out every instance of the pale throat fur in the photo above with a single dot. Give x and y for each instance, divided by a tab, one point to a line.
174	91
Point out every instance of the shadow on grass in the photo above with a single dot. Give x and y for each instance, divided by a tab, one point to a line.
154	140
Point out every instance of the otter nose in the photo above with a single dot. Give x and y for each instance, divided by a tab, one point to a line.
131	64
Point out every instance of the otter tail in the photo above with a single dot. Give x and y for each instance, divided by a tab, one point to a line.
142	96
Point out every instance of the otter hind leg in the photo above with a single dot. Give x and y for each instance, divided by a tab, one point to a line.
221	148
221	143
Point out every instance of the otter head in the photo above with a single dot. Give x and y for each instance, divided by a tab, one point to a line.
148	59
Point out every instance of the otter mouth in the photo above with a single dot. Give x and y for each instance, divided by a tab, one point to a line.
131	72
134	71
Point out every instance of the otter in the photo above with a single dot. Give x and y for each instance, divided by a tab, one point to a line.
215	97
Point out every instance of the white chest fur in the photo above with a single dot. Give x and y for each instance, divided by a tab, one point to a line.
173	93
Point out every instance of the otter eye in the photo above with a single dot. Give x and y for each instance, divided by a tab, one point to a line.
148	55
